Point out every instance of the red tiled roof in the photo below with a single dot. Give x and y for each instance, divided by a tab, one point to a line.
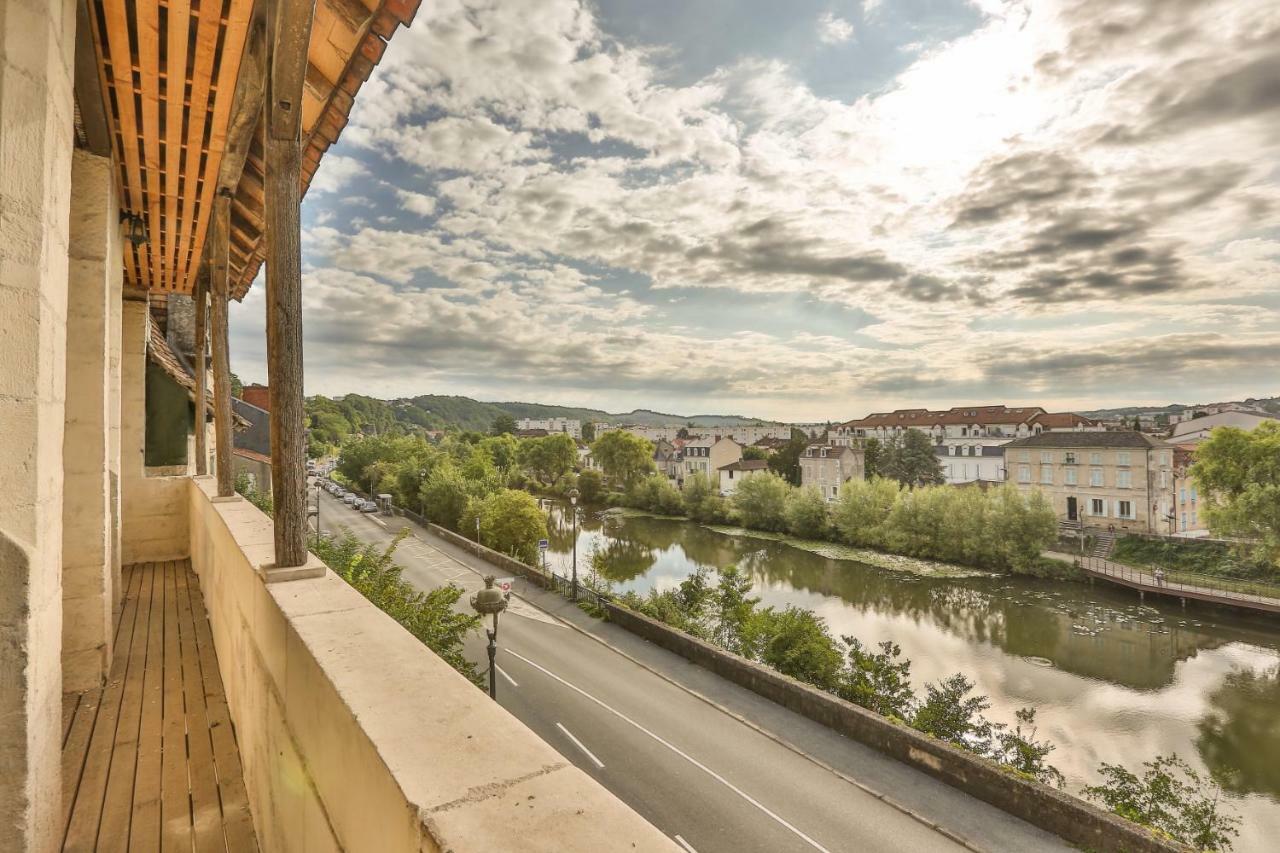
251	454
959	415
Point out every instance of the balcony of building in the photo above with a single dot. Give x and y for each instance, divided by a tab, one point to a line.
179	672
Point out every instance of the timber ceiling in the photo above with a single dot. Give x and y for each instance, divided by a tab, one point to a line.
168	75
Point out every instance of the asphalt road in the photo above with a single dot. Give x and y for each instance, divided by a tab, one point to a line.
715	767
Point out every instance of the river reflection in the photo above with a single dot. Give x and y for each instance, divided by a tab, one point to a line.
1112	679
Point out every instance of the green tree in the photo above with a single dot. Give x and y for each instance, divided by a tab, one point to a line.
590	486
1171	798
510	522
755	453
588	431
548	458
871	458
502	451
795	642
760	502
1021	526
862	512
503	424
1020	750
807	515
786	461
879	682
733	607
949	713
1238	474
656	493
623	456
445	494
237	387
1137	424
702	500
909	458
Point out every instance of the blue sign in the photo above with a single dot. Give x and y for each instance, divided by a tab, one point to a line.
543	544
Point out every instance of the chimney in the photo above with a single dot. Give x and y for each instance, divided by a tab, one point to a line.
257	395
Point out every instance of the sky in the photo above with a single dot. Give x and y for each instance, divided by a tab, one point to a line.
802	210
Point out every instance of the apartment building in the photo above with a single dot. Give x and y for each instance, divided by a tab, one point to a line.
708	455
1123	480
829	466
1196	430
970	463
735	472
963	426
567	426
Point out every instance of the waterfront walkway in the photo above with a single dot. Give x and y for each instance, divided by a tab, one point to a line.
1144	580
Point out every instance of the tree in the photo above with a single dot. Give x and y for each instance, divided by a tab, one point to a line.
548	458
237	387
503	424
786	461
502	451
863	510
733	606
753	452
1137	424
702	500
796	643
1020	525
590	486
909	458
949	713
445	494
806	513
623	456
1238	474
760	502
510	522
588	431
1020	750
878	682
1169	797
871	452
657	494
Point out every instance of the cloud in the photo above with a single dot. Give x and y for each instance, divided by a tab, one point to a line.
833	29
1098	173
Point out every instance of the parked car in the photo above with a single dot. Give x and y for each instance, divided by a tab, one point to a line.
349	499
368	506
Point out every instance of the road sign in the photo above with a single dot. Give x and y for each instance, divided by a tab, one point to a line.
543	544
504	584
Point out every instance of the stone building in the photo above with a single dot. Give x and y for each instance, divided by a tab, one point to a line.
1101	480
708	455
963	426
827	467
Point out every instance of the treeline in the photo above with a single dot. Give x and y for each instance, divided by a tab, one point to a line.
1000	528
1169	797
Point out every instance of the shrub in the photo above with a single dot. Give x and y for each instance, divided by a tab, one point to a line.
510	522
1171	798
863	510
657	494
590	486
806	513
760	502
702	501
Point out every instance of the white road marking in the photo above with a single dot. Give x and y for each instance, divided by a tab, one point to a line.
685	844
503	673
380	521
588	753
695	762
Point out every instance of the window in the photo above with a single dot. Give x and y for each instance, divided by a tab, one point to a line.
952	450
1124	479
1193	519
1162	479
1124	509
1095	458
1046	457
1164	459
1071	476
1070	458
1097	506
1193	495
1182	495
1024	473
1184	521
1025	456
1095	476
1046	474
1122	457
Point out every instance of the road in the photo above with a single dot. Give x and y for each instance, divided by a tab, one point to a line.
714	766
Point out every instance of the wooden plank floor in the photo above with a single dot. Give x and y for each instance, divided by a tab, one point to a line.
150	761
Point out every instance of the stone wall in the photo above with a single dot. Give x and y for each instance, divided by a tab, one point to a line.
354	736
154	508
37	40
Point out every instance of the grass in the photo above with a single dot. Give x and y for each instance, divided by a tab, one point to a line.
1208	564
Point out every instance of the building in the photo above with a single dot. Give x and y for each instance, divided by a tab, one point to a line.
141	160
567	426
827	467
251	455
1188	508
735	472
666	459
963	426
708	455
967	463
1123	480
1196	430
257	395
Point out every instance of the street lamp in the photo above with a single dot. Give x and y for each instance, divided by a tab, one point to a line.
573	503
317	507
490	600
422	481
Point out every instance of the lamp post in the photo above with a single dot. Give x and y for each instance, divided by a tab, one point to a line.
422	481
490	601
317	507
573	505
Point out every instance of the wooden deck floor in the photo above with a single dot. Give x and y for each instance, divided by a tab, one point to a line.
150	761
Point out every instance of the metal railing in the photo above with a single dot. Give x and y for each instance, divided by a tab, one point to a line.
1176	582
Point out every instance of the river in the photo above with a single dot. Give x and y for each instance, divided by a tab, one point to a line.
1112	680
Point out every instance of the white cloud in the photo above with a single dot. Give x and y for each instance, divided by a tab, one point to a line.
423	205
833	29
335	173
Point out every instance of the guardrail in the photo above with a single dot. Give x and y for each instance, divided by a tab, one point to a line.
1226	592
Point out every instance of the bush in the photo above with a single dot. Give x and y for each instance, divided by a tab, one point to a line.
261	500
590	486
760	502
657	494
429	616
806	513
702	501
1171	798
863	510
446	492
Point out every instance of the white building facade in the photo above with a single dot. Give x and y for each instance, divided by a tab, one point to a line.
567	426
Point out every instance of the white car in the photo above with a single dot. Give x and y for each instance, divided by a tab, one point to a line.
368	506
349	499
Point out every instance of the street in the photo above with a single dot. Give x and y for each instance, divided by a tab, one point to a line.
710	764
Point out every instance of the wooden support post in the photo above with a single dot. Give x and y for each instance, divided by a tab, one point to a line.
289	32
201	296
219	237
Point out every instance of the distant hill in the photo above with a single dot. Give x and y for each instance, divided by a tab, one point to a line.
1270	404
357	413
